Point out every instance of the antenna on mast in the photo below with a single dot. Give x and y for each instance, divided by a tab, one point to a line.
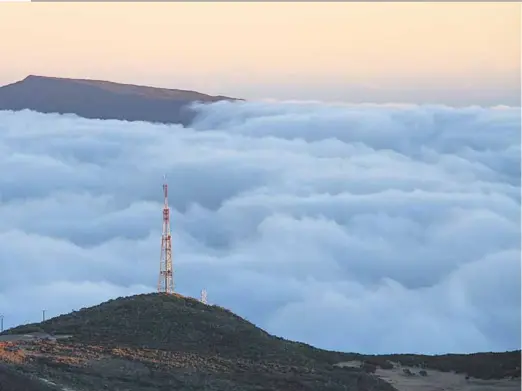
166	275
204	296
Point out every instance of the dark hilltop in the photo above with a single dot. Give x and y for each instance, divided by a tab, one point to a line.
169	342
103	99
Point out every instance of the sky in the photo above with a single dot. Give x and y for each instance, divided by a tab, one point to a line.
367	228
451	53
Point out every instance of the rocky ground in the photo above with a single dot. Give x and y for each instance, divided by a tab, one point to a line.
159	342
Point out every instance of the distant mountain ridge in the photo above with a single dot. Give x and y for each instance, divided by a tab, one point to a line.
98	99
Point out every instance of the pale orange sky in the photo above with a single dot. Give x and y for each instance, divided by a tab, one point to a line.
459	53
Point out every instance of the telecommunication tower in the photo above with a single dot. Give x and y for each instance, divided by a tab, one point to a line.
203	296
166	275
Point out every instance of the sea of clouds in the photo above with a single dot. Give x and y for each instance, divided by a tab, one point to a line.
369	228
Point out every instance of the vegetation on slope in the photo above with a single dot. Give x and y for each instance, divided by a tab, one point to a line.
158	321
181	343
11	380
485	366
179	324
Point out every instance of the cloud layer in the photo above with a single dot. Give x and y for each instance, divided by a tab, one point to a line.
369	228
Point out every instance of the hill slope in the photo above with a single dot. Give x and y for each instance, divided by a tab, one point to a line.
156	342
102	99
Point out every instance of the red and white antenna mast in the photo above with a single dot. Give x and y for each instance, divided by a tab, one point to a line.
166	275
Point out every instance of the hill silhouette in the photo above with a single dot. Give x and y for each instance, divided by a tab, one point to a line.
160	342
102	99
170	342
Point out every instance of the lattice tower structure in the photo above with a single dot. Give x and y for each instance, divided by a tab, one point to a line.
166	274
203	298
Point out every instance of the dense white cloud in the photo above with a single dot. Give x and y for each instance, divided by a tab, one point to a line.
371	228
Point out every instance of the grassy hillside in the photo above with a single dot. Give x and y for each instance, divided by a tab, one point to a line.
175	340
183	324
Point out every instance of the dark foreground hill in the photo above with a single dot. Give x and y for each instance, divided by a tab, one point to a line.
102	99
160	342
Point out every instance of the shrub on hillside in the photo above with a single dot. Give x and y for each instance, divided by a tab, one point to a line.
368	367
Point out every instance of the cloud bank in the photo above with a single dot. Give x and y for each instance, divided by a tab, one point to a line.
368	228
